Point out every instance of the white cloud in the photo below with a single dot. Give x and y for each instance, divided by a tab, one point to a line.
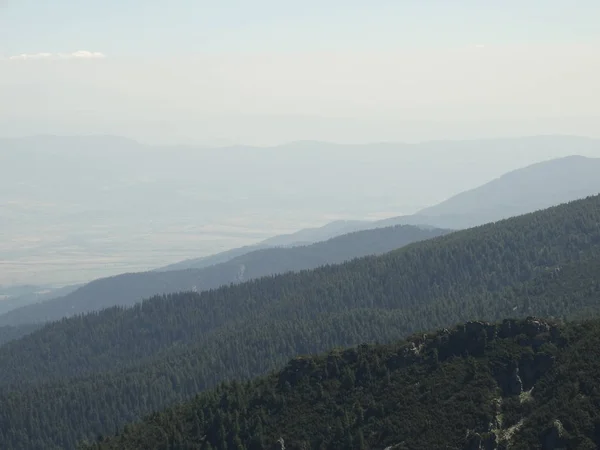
31	56
81	54
84	54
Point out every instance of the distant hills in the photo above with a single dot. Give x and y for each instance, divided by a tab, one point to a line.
128	289
89	375
103	205
524	190
534	187
302	237
17	296
310	235
521	191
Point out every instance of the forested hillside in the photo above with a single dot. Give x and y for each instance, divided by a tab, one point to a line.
517	384
8	333
89	375
128	289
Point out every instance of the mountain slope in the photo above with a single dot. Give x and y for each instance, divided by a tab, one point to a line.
36	294
305	236
310	235
8	333
128	289
211	260
518	384
521	191
161	202
525	190
89	375
456	275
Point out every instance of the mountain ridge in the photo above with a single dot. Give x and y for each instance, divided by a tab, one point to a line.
89	192
486	203
484	385
128	289
448	214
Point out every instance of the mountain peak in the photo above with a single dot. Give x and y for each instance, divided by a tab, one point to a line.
520	191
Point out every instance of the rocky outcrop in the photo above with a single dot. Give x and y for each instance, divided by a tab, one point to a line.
484	441
555	437
299	368
468	339
529	327
531	369
278	445
515	384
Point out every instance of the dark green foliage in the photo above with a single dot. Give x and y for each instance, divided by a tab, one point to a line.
89	375
532	384
9	333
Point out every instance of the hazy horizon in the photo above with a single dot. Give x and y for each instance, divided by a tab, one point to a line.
189	76
77	208
267	73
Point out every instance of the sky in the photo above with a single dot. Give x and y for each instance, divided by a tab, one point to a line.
267	72
165	28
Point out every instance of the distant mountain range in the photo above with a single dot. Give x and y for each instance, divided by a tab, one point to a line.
521	191
303	237
104	205
18	296
532	188
524	190
128	289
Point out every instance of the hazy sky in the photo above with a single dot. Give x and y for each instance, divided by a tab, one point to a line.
266	71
